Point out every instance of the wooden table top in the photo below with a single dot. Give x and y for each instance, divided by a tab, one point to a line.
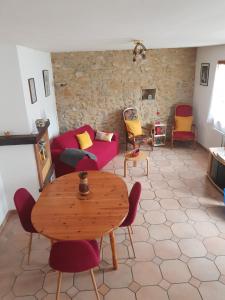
59	214
141	156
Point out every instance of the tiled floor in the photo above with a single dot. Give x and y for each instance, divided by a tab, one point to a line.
179	236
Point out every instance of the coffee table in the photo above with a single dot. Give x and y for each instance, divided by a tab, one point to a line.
60	214
141	156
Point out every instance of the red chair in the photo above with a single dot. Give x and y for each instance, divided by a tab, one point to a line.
24	203
134	198
183	110
73	257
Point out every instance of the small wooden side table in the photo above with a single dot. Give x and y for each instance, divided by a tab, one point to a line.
142	156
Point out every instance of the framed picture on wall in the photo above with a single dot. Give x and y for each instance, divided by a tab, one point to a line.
204	74
46	82
33	95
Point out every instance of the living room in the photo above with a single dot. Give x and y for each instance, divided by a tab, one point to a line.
66	87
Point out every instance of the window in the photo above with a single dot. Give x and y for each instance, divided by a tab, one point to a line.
217	109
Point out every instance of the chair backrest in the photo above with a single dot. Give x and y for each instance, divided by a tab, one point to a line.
183	110
130	113
134	198
74	256
24	203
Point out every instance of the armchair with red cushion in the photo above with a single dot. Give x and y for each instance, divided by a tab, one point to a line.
183	110
104	151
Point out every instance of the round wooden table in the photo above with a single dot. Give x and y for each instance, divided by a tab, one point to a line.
60	214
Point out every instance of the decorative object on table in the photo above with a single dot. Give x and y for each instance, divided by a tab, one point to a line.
7	133
40	123
183	128
204	74
46	82
83	186
72	156
159	134
148	94
33	95
134	153
136	135
141	156
139	52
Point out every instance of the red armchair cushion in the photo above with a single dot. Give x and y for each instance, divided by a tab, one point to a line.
183	110
183	135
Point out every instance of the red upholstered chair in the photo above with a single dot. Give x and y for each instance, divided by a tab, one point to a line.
73	257
183	110
24	203
134	198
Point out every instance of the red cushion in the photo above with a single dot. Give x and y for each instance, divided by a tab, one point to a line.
183	110
74	256
183	135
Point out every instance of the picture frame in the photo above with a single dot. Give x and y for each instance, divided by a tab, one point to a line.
33	95
45	74
204	74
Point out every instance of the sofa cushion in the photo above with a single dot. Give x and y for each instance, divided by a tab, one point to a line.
104	151
66	140
84	140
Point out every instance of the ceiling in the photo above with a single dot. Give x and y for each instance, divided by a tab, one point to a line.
83	25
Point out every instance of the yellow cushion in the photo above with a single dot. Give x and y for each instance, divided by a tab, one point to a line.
84	140
183	123
134	126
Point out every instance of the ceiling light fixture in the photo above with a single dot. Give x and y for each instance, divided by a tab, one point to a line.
139	52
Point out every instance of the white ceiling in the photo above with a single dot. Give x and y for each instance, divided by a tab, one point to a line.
81	25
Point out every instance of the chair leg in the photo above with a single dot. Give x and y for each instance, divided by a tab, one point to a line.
94	284
59	286
131	241
29	248
131	229
100	246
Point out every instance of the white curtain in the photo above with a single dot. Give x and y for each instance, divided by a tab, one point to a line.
217	108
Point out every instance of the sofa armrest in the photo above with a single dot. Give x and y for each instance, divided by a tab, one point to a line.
86	164
55	153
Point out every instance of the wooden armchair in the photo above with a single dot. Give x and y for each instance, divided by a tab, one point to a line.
145	138
183	110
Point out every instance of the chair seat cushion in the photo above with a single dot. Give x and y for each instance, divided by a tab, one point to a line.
183	135
74	256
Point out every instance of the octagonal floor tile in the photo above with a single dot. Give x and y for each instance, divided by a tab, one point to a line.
152	292
183	230
197	215
206	229
63	296
160	232
82	281
220	262
121	251
215	245
213	290
184	291
192	247
119	278
28	283
124	294
167	249
143	251
176	216
50	282
189	202
146	273
203	269
164	193
86	295
150	205
175	271
140	234
6	282
169	203
155	217
147	194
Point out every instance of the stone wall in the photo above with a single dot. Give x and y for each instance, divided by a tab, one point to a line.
95	87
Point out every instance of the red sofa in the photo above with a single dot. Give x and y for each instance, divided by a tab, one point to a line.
104	151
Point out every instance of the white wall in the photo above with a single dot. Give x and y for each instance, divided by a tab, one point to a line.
31	63
17	114
207	135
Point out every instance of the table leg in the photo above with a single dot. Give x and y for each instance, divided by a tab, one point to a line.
125	168
113	247
147	166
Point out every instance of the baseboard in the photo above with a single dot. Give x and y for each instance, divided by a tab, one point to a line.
8	215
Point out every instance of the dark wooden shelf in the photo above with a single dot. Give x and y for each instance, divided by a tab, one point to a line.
24	139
